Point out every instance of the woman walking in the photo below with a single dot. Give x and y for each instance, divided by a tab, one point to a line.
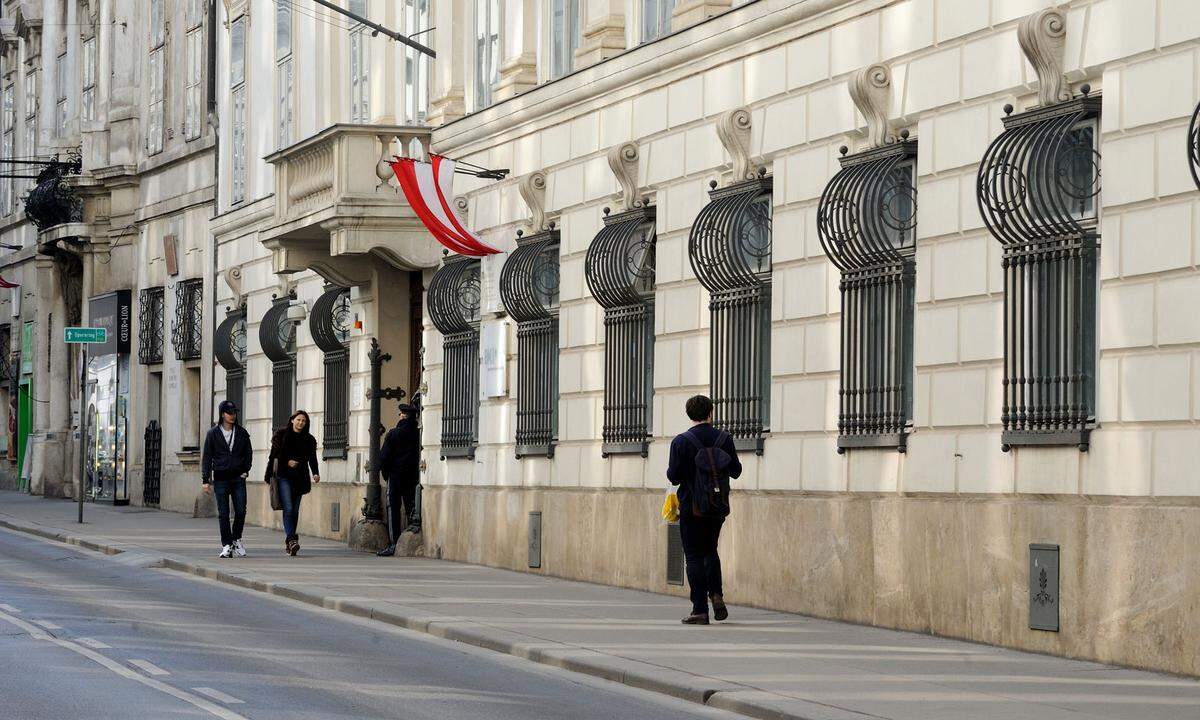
293	456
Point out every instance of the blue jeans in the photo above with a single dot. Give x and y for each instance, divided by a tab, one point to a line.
290	505
226	489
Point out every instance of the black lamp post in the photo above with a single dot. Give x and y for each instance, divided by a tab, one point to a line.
370	534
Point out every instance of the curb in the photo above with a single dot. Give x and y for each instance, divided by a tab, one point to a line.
741	699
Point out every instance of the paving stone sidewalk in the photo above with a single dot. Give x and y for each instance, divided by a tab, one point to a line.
760	663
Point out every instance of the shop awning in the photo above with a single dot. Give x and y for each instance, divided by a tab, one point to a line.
429	189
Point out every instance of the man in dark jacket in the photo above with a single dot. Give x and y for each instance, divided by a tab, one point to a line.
400	463
700	534
225	463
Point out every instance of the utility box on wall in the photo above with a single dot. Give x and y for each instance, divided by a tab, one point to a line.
1043	587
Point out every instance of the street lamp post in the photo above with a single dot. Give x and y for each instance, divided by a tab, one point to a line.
370	534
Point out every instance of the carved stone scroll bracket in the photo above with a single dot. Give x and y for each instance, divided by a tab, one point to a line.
623	160
733	128
461	206
533	192
233	278
1043	39
871	90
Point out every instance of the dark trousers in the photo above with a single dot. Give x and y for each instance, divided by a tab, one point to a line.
402	497
699	536
226	489
290	506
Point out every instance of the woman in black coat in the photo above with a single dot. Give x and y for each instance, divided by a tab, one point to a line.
293	456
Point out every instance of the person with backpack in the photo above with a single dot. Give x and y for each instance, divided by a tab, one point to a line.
701	462
225	464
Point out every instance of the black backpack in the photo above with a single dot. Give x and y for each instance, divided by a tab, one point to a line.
710	486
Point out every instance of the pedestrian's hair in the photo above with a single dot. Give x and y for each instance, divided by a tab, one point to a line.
278	438
699	408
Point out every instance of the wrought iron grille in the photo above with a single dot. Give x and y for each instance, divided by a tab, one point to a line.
620	274
188	330
6	364
1038	186
454	308
229	345
866	222
330	324
277	335
529	289
150	325
1194	146
152	464
730	251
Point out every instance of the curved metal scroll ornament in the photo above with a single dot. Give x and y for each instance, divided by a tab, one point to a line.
868	211
529	280
276	333
1194	146
730	242
619	266
51	201
331	319
229	343
1028	187
454	294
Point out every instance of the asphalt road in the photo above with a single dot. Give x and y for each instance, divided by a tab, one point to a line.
84	636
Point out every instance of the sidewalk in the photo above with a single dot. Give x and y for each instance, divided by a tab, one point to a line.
762	664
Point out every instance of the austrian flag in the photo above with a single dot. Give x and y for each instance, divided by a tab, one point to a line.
429	189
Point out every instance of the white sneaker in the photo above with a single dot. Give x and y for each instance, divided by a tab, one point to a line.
226	552
239	550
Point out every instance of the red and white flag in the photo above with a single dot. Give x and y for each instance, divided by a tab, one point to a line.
429	189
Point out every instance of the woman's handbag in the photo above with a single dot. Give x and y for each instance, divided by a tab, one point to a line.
276	503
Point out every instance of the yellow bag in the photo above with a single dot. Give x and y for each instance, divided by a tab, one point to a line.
670	508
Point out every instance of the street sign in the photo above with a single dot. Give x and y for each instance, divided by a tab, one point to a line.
86	335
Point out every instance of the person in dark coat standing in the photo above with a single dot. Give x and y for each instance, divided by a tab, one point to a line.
700	533
400	463
293	456
225	464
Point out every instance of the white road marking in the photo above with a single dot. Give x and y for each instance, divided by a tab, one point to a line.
205	705
93	644
47	624
9	609
219	696
148	667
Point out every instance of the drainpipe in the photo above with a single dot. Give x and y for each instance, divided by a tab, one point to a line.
214	124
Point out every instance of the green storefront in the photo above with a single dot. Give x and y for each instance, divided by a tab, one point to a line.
25	401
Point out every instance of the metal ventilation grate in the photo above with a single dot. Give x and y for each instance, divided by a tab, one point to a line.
535	539
335	517
1043	587
674	555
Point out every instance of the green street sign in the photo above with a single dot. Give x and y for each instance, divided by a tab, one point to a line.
87	335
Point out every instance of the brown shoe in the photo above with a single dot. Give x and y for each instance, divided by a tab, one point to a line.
720	612
695	619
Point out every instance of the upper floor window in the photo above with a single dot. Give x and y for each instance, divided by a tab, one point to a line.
284	72
194	95
564	36
60	94
360	67
158	77
237	135
6	148
656	18
31	109
487	50
416	64
89	79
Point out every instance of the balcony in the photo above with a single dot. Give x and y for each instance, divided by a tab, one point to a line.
338	207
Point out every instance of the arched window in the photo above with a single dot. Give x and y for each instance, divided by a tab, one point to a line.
867	225
620	274
529	289
730	252
454	309
229	345
277	335
330	324
1038	189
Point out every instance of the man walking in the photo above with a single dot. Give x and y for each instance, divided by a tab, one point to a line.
225	464
701	462
400	462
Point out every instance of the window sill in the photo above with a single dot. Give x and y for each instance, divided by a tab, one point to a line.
532	451
749	444
1033	438
887	441
335	452
458	453
641	448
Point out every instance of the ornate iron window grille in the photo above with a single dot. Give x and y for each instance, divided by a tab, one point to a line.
150	325
229	345
1194	146
188	329
620	274
277	335
867	225
330	326
730	252
1038	186
529	289
454	308
6	363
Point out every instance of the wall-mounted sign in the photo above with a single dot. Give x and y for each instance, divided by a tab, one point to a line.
171	254
493	351
85	335
114	313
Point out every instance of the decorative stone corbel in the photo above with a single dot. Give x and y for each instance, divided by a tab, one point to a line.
1043	39
733	128
233	278
871	90
623	160
533	192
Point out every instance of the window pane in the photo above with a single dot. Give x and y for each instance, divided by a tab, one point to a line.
358	7
237	52
283	30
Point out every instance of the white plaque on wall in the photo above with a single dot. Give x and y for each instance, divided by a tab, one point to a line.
493	351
